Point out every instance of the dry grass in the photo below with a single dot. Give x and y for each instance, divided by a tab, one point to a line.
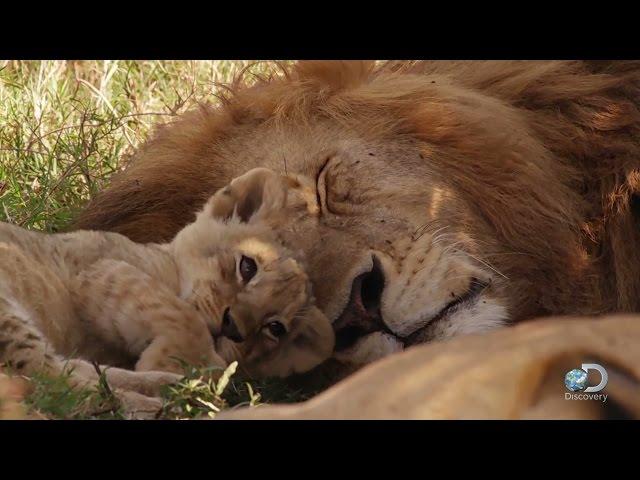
66	127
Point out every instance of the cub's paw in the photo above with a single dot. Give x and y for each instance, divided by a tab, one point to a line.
149	383
138	407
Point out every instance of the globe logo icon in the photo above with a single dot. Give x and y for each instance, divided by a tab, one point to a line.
576	380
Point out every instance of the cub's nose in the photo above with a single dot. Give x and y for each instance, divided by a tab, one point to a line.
229	327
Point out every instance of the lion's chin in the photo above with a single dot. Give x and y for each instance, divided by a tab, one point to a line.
369	348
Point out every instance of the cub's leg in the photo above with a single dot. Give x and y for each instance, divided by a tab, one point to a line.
22	346
37	324
131	310
36	316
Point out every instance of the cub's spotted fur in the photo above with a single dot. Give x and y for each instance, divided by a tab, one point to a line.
224	289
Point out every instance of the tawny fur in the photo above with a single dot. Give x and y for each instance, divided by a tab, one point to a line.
533	167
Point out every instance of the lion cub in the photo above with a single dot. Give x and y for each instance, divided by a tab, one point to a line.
224	279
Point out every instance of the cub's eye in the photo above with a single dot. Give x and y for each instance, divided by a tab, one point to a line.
248	268
276	329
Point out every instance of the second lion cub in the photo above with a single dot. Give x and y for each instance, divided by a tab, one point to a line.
101	297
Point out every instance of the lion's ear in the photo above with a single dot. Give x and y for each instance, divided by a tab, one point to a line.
252	196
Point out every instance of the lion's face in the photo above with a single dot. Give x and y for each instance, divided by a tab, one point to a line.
416	272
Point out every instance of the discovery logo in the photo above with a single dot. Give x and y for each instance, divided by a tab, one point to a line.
576	380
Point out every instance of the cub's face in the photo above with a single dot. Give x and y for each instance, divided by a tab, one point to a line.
250	289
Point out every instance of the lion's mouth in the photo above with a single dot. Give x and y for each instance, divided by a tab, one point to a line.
476	287
363	316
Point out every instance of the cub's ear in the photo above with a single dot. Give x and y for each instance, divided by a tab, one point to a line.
252	196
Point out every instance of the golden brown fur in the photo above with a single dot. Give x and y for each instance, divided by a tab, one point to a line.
533	169
101	297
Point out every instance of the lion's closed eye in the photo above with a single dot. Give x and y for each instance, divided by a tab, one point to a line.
321	185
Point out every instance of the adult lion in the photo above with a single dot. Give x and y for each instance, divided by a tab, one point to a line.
452	197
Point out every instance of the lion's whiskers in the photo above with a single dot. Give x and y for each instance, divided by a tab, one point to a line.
420	231
438	238
486	264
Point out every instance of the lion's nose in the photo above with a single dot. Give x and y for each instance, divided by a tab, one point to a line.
362	315
371	289
229	327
